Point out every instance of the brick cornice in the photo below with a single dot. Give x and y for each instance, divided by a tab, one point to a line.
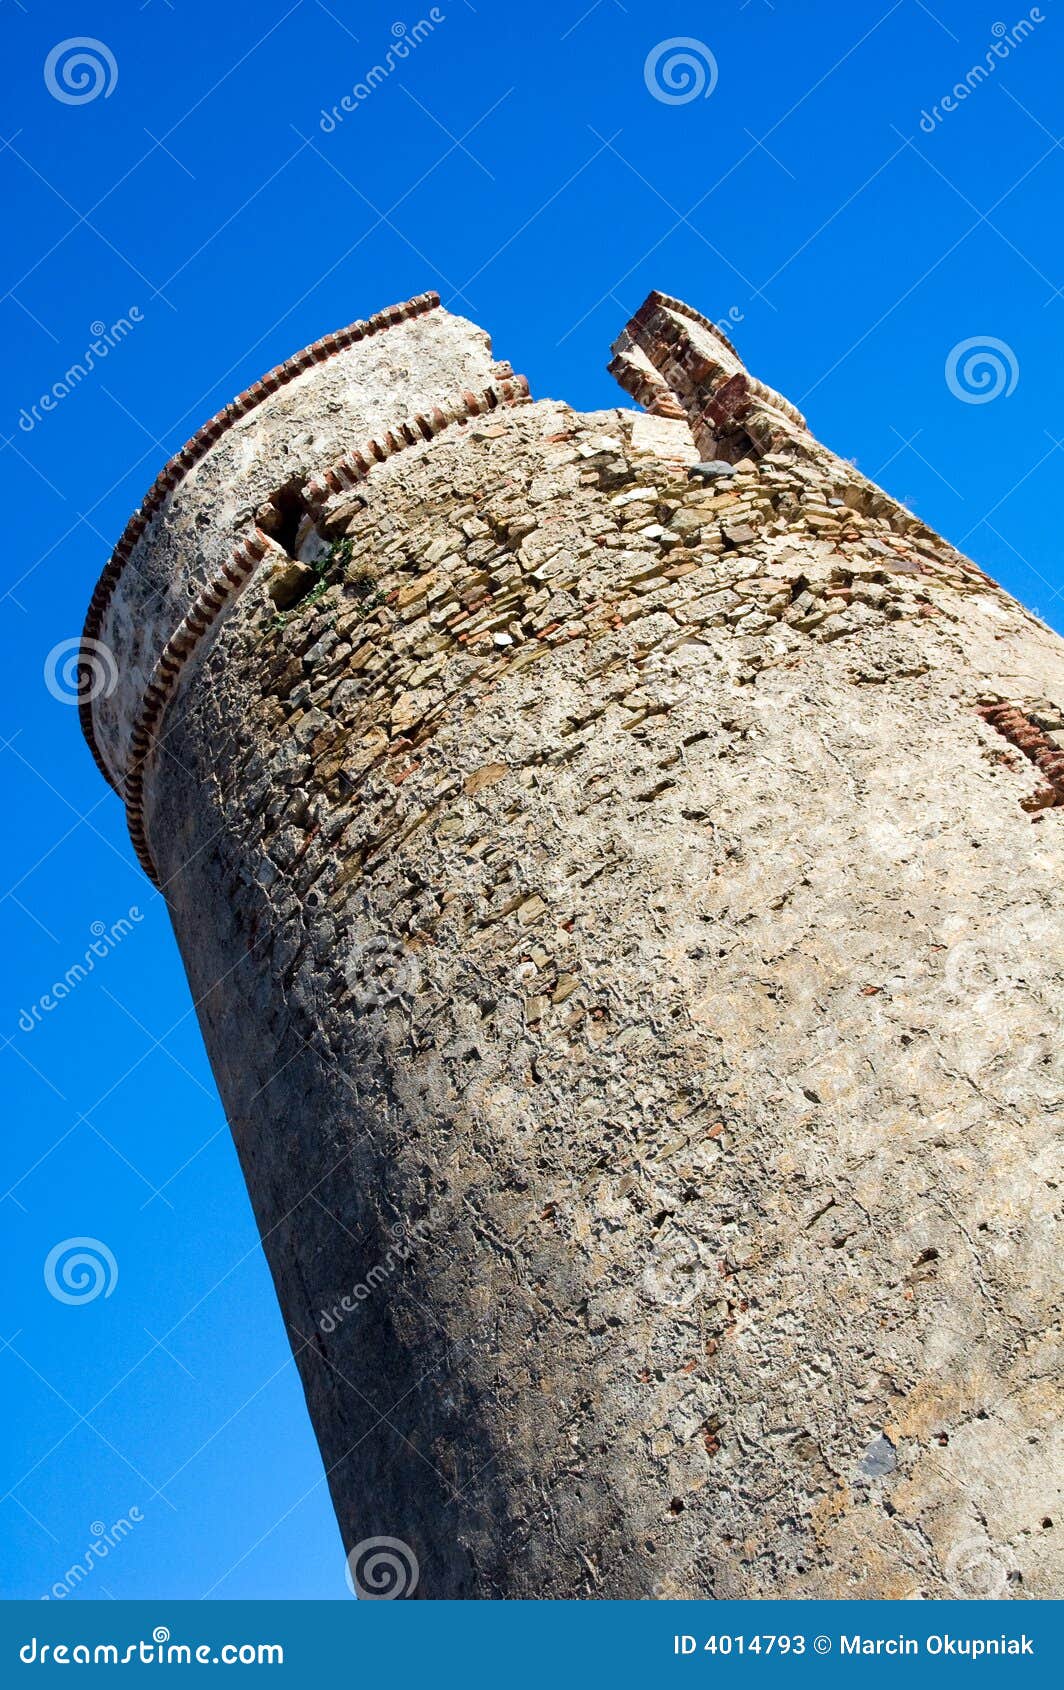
1016	724
193	451
669	303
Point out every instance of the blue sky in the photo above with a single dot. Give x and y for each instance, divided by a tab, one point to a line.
522	162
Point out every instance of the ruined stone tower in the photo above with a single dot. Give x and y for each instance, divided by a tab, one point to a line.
622	899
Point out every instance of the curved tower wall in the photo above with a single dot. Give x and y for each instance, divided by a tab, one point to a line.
622	903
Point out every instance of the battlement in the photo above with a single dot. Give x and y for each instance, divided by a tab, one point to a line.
676	362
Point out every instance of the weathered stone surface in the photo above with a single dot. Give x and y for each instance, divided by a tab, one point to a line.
715	470
289	582
681	975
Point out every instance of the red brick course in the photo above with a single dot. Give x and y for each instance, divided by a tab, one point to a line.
197	448
219	592
727	408
1013	723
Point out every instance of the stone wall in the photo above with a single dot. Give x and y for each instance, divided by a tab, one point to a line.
627	950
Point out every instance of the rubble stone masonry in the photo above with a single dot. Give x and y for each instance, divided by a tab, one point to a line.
638	885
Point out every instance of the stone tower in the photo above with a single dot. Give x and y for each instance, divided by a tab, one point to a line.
621	894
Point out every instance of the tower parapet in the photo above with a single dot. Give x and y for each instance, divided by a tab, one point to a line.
245	465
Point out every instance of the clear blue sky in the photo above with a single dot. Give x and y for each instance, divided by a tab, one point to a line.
517	161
